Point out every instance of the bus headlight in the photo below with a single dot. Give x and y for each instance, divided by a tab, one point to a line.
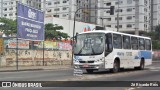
76	66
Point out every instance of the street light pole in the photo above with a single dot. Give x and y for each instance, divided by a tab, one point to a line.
102	21
118	18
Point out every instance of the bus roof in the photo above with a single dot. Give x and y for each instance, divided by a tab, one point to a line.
109	31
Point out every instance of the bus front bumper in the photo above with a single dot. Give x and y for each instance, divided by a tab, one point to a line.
89	66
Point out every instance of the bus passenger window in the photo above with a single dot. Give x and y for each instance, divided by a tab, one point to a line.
148	44
141	44
134	43
117	41
126	42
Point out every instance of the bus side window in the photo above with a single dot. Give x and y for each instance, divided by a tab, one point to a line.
126	42
141	44
117	41
134	43
108	43
148	44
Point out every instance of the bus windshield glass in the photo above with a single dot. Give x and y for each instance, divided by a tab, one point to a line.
89	44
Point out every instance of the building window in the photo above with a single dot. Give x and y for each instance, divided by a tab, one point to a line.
120	18
108	4
57	2
108	25
49	3
5	15
5	9
108	11
64	8
129	17
64	1
129	10
64	15
5	3
11	2
129	1
129	25
10	14
119	10
116	3
120	26
56	9
49	10
109	19
55	15
10	8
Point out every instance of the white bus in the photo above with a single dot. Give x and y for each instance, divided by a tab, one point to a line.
101	50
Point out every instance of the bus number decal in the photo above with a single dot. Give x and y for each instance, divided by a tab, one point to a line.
120	53
128	53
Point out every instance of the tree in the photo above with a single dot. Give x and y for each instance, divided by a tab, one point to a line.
155	36
9	27
50	31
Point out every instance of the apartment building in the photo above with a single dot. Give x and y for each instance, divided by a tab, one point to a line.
8	8
134	15
155	13
66	9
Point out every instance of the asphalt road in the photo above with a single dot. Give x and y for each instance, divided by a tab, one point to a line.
151	73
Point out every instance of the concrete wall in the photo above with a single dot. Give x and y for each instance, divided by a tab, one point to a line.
35	57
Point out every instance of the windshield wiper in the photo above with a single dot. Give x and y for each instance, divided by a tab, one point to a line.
81	50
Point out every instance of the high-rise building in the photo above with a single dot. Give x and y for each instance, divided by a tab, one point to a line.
8	8
155	13
133	15
66	9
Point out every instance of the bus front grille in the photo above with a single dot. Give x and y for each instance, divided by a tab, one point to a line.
86	61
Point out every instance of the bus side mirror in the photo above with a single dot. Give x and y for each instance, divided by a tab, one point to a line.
76	37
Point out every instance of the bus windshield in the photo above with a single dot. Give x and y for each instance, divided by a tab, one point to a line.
89	44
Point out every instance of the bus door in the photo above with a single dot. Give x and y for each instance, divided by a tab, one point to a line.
108	47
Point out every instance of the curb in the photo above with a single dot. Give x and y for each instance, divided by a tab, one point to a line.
36	69
21	70
156	61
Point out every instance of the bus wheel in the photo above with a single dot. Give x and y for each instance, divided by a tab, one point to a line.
89	70
115	67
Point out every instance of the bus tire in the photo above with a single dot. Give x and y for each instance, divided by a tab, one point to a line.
116	67
89	70
141	67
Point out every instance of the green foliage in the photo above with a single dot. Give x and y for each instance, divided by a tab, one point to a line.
9	27
155	36
50	32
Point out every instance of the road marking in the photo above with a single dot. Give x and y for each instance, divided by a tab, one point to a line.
131	88
154	70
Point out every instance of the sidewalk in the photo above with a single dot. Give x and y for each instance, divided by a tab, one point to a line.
32	68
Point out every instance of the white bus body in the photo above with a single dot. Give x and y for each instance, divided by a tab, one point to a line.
133	51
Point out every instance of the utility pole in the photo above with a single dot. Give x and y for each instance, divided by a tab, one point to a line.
136	17
118	18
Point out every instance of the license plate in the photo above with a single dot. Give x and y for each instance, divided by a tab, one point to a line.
85	65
